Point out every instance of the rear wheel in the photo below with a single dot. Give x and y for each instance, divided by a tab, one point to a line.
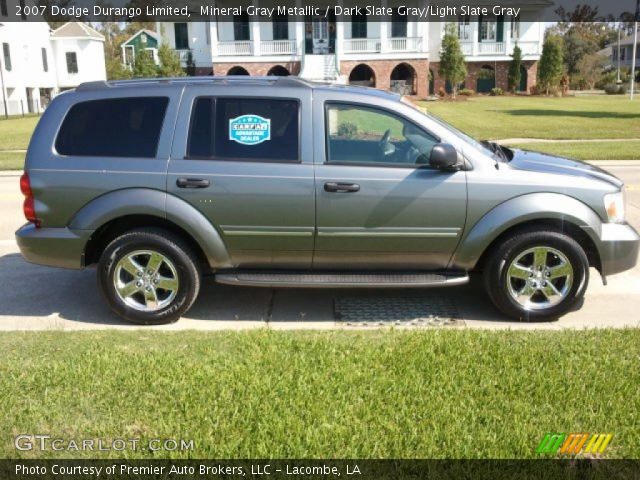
149	276
537	275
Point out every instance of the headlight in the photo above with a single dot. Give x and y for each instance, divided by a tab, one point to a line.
614	205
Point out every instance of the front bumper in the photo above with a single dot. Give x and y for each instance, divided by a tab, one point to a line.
55	247
618	247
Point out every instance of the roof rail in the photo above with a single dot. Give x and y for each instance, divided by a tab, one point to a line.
226	80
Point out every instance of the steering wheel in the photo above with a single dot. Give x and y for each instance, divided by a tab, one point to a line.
384	141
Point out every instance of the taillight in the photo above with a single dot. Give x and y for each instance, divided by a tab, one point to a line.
29	204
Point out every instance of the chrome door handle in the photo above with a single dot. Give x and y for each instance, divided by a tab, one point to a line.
192	183
339	187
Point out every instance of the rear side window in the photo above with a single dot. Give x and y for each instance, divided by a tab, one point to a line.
118	127
253	129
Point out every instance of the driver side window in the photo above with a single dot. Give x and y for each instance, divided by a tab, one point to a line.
358	134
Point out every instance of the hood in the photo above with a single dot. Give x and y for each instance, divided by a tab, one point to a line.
541	162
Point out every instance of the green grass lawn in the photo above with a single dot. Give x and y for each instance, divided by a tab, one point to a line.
582	117
345	394
15	132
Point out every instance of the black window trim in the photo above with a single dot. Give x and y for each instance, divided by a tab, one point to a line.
329	103
155	155
235	159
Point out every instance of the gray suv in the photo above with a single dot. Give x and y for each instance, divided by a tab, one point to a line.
278	182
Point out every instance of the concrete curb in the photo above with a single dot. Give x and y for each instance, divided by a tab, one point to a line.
10	173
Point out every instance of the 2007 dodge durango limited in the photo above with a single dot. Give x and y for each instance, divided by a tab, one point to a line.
280	182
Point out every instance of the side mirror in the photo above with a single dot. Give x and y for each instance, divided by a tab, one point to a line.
443	157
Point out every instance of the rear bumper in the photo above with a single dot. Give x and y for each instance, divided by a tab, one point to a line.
618	248
55	247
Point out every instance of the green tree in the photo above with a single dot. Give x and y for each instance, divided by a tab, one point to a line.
116	70
514	69
144	66
452	66
550	68
169	62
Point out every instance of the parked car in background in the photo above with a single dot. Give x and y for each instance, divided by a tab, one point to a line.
278	182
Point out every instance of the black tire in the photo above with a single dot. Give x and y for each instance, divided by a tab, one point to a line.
173	248
499	260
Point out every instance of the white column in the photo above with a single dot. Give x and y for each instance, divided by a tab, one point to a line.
384	32
213	35
474	34
423	31
339	38
255	33
506	34
299	31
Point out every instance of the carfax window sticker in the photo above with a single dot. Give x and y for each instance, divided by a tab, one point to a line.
250	129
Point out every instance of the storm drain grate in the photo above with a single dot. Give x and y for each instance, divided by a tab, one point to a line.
423	310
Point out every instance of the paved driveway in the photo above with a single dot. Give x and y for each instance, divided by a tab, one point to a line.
37	298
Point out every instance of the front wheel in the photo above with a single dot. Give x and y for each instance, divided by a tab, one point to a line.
537	275
149	276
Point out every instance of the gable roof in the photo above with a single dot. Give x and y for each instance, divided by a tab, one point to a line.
76	30
151	33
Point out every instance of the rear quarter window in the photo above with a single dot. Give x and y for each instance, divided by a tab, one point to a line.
115	127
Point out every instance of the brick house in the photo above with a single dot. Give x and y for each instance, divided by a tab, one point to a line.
399	55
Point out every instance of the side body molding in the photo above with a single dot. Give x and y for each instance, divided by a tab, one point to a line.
144	201
517	210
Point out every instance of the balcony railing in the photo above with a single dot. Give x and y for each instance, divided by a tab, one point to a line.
406	44
491	48
362	45
278	47
375	45
240	47
528	48
183	55
467	48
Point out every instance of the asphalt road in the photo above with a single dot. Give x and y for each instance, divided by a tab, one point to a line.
40	298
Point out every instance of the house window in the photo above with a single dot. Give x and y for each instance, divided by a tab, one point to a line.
488	29
623	54
515	27
280	27
241	27
181	31
464	28
72	62
3	8
45	62
359	26
398	25
6	50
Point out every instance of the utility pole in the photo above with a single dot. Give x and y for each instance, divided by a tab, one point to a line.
635	48
619	81
4	90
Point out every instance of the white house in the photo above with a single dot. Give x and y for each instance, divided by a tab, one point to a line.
78	54
398	54
35	63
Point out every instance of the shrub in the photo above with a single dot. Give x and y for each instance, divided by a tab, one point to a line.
467	92
347	129
614	89
495	92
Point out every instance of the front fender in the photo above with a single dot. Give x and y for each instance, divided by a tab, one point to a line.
144	201
519	210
